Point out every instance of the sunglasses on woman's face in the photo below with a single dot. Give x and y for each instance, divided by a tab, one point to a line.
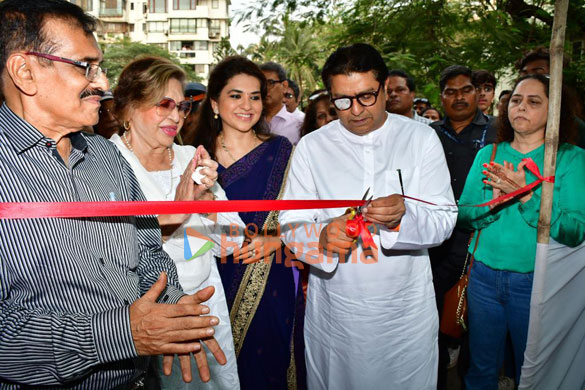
167	105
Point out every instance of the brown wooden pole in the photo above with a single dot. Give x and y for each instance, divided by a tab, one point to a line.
557	43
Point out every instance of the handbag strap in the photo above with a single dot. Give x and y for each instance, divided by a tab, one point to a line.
492	157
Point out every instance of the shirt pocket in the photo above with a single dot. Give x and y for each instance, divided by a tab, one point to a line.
410	184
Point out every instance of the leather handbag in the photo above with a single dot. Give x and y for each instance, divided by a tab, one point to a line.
454	318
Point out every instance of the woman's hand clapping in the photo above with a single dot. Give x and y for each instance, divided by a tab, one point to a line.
504	179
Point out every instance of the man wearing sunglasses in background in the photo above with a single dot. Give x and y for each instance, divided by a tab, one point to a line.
71	311
371	320
292	99
280	121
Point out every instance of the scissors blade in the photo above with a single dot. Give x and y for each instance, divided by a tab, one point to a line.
368	201
365	197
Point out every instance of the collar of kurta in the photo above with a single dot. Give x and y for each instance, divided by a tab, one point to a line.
369	138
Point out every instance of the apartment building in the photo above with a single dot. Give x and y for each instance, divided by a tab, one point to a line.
191	29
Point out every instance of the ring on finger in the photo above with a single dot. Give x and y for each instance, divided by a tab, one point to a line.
499	180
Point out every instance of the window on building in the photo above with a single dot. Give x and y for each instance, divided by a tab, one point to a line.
116	28
201	23
111	8
86	5
157	6
199	68
131	6
156	27
183	26
200	45
181	45
183	4
201	3
215	4
144	8
214	28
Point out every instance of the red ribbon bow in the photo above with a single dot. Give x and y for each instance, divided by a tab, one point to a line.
356	226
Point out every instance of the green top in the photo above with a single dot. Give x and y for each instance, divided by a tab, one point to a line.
508	237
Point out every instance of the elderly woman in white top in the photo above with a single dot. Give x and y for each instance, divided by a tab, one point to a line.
149	101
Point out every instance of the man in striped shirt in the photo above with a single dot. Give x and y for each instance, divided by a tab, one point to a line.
79	297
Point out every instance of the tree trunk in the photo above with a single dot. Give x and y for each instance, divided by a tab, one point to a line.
554	112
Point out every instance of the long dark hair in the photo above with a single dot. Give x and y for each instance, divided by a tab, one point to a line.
310	121
567	126
207	128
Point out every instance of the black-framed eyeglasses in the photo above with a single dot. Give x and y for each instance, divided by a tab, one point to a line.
92	71
366	99
272	83
167	105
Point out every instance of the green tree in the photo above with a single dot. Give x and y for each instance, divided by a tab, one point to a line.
223	49
298	50
118	54
424	36
296	46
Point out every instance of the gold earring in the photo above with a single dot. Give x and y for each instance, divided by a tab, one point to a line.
126	125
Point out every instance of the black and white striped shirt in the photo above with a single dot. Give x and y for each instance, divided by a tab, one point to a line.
66	283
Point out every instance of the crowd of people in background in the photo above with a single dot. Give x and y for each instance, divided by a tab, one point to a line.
84	301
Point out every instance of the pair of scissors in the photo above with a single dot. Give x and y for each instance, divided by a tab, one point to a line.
353	211
368	200
356	224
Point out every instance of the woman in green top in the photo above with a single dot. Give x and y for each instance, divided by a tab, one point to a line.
500	284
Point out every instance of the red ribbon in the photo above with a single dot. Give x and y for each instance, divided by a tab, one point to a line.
530	165
19	210
117	209
356	226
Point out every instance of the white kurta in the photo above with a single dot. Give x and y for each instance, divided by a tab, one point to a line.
199	272
371	325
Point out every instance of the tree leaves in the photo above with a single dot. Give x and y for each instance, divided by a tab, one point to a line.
419	36
120	53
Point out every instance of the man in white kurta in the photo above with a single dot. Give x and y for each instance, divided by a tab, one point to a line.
370	324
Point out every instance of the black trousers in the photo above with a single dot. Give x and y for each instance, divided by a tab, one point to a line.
447	263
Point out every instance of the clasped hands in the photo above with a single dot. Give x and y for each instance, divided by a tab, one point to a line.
189	190
386	211
504	179
171	329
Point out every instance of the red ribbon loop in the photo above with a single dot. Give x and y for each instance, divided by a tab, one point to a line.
357	226
532	167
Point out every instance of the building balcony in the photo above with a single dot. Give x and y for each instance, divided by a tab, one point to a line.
184	53
214	33
111	12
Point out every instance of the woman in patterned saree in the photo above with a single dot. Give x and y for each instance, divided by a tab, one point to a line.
262	287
